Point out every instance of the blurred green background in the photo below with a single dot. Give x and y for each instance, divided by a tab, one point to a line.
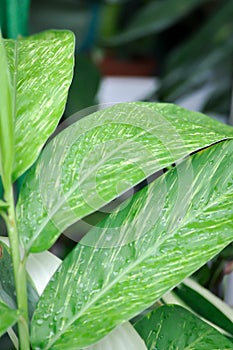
187	44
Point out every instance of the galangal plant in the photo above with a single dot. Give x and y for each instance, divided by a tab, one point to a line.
134	257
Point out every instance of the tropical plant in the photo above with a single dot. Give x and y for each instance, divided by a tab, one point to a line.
141	250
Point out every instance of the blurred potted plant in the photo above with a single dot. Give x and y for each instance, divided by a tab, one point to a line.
184	37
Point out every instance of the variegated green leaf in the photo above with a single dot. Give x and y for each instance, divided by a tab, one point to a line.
41	268
139	252
41	67
100	157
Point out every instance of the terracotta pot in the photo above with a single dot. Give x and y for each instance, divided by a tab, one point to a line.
110	66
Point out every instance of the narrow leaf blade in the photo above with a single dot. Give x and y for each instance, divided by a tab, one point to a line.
173	327
140	252
42	66
100	157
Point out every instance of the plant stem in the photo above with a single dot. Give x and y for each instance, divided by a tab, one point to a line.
19	272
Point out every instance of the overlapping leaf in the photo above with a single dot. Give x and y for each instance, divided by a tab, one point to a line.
101	156
8	317
41	67
173	327
139	252
205	304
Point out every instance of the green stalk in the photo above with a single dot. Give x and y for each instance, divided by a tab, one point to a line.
20	275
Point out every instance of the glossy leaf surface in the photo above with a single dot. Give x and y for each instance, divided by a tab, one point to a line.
8	317
139	252
42	68
100	157
6	119
173	327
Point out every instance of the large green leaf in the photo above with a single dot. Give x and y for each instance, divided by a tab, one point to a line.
170	229
154	17
8	317
41	268
173	327
41	67
6	119
101	156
